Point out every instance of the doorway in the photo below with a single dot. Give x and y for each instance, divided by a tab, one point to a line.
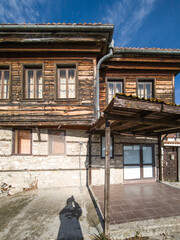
138	162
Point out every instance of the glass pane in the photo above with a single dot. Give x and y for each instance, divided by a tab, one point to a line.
62	75
39	77
23	144
31	91
71	76
6	77
39	91
140	90
30	77
5	92
132	154
104	147
111	89
57	142
39	84
131	172
71	91
0	77
62	93
148	90
118	87
147	171
147	155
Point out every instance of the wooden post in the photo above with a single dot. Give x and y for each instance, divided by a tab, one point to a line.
107	180
160	157
90	161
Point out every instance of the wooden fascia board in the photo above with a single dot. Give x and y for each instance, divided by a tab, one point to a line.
131	104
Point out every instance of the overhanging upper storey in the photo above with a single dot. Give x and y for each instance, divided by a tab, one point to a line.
93	38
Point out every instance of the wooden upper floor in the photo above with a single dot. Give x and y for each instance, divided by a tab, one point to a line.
48	75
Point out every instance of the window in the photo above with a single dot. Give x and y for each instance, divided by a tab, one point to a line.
114	86
33	82
4	83
56	142
145	88
138	161
103	147
22	142
66	82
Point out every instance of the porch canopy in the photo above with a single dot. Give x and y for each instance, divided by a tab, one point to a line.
137	116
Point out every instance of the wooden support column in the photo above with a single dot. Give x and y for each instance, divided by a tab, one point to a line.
107	180
160	157
38	134
90	161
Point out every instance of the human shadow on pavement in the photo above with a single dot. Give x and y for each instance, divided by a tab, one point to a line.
69	221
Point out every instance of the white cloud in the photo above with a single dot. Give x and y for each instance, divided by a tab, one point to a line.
128	17
19	11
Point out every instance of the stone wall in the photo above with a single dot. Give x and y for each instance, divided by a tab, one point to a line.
46	170
116	172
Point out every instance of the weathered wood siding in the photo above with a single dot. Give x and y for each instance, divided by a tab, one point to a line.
163	85
49	111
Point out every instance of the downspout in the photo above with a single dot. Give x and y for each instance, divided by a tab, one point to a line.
110	54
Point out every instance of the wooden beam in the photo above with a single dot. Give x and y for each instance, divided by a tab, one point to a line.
90	161
107	180
141	105
38	134
155	122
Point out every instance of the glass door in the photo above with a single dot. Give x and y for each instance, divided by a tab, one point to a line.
138	162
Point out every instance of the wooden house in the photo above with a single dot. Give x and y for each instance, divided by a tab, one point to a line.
55	82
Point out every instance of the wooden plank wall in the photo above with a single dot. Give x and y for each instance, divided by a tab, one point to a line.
48	111
163	85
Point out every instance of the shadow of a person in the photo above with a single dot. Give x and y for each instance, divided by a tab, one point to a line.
69	218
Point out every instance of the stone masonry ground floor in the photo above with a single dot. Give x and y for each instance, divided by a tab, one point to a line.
57	158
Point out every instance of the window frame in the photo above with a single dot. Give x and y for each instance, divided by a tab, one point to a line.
146	80
65	66
116	79
36	67
101	136
6	67
49	141
141	160
13	142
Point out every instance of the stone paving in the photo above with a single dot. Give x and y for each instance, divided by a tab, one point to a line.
135	202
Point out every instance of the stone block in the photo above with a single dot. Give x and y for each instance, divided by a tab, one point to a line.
95	149
40	148
77	136
5	147
6	134
76	149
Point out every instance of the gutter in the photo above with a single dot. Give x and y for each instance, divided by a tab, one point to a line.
109	55
57	27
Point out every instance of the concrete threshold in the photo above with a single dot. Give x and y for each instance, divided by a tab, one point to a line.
154	229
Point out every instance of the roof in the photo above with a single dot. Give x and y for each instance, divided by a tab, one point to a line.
74	24
146	49
133	115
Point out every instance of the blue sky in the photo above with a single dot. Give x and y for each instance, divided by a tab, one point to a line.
138	23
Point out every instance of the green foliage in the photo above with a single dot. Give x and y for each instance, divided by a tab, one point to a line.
100	235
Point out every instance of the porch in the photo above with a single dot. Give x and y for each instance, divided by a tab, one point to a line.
137	202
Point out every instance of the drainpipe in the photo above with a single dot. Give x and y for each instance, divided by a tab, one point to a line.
110	54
